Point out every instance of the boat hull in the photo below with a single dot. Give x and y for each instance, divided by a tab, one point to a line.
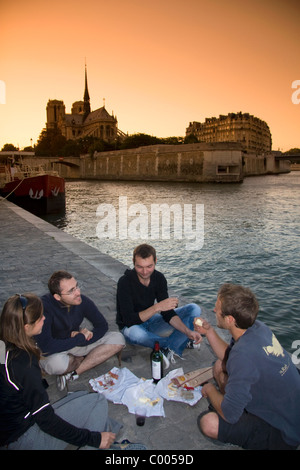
42	194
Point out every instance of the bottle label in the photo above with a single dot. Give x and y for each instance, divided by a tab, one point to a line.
156	370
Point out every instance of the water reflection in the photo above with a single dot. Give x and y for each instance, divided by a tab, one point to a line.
251	237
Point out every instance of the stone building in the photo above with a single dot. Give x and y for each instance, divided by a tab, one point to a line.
251	132
222	162
82	122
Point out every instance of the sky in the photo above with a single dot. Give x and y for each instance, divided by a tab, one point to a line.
158	64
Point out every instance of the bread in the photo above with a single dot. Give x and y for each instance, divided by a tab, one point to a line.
198	322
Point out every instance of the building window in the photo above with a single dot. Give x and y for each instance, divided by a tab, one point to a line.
228	170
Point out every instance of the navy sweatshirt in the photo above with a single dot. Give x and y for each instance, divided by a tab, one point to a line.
263	380
61	320
133	297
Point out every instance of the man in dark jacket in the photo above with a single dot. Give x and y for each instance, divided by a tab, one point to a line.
69	349
146	313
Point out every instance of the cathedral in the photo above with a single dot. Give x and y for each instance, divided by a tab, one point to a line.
82	122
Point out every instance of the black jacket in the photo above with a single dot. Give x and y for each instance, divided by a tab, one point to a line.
133	297
24	402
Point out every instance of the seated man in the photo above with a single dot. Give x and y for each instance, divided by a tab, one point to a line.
68	349
146	314
256	404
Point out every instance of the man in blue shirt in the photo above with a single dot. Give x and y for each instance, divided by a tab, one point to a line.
256	404
69	349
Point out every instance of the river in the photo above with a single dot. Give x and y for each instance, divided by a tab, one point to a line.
247	234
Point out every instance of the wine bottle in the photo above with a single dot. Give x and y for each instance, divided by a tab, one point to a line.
156	358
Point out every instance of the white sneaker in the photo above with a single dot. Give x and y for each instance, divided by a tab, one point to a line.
61	380
165	361
192	345
169	356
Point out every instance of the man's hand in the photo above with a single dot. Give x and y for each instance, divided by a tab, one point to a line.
203	329
168	304
206	389
195	336
107	439
87	333
209	391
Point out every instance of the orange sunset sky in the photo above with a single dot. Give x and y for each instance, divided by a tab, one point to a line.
159	64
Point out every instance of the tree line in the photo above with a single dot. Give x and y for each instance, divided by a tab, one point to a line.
52	143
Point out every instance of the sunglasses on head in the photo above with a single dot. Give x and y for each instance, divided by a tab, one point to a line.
24	303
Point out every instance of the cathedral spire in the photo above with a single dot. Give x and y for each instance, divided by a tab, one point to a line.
86	97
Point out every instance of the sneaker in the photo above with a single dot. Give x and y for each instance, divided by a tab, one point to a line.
191	345
127	445
169	354
62	380
165	360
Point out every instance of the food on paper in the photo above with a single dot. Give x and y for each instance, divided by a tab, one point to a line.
172	389
108	380
148	401
169	391
122	387
190	380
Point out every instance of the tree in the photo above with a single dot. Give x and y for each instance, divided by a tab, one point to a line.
139	140
9	148
71	148
191	139
50	143
292	151
171	140
100	145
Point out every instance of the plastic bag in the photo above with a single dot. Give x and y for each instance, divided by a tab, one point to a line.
145	395
113	384
122	387
168	390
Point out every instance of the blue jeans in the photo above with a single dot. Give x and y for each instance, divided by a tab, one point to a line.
156	329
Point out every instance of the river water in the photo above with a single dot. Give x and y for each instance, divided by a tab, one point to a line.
248	234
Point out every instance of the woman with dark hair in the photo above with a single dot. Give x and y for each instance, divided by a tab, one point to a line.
27	419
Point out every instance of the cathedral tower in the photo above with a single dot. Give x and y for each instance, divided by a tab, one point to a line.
86	99
82	122
55	113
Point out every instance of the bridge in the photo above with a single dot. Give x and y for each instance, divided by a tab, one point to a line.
293	158
68	161
67	167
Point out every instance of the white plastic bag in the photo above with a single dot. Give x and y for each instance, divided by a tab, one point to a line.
114	383
166	389
145	395
122	387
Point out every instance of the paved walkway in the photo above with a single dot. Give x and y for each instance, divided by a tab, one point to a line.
31	249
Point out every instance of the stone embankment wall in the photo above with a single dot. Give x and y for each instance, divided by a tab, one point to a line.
264	165
203	163
189	163
206	163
